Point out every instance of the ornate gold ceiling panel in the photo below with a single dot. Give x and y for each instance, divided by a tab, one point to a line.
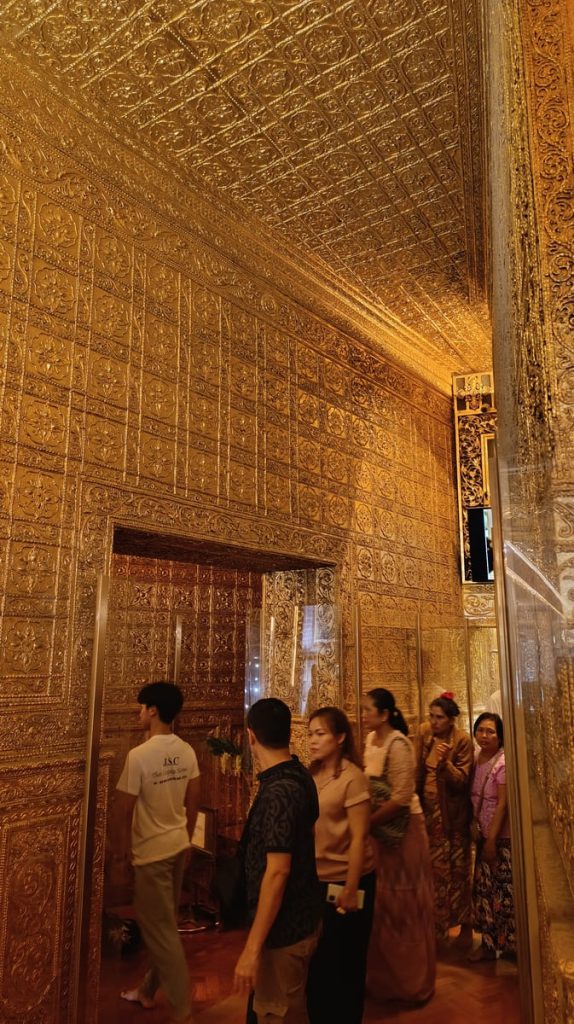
351	129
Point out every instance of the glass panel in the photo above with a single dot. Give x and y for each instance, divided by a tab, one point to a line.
483	668
253	666
537	709
294	653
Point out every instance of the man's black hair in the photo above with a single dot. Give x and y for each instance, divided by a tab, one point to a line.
166	697
270	720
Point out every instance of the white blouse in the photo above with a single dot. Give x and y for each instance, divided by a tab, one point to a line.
401	767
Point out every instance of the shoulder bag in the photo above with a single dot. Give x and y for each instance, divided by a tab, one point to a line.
388	832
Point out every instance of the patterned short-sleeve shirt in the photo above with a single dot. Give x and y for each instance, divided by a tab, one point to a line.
281	820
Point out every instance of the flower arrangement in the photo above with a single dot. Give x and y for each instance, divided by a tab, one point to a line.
229	754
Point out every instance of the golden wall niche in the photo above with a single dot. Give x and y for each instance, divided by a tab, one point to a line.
533	246
162	612
150	381
475	420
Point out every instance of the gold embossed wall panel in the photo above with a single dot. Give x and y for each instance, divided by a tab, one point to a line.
149	382
348	129
40	809
152	380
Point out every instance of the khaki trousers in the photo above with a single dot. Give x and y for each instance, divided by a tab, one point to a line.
280	991
157	892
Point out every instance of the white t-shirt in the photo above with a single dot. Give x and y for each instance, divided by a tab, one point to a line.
157	772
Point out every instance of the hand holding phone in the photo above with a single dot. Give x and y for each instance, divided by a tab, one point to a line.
334	891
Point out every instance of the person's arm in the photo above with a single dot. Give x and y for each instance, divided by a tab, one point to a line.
386	812
456	771
192	798
418	751
271	893
119	832
119	839
489	847
358	820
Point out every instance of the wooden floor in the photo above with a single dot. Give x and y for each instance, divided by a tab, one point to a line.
465	993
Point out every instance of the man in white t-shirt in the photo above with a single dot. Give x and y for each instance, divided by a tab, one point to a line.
158	794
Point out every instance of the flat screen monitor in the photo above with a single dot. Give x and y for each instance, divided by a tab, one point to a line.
480	540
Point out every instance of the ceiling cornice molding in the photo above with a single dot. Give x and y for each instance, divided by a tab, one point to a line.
250	246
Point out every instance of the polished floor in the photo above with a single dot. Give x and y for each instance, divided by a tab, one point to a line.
465	993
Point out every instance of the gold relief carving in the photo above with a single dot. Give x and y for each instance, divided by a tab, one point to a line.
161	342
204	418
40	807
33	912
310	502
104	441
478	601
110	316
53	290
243	427
243	381
278	494
162	285
32	569
107	379
38	496
204	473
48	356
158	399
26	646
242	484
470	431
309	456
6	265
112	256
56	226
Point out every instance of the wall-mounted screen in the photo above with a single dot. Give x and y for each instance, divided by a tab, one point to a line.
480	540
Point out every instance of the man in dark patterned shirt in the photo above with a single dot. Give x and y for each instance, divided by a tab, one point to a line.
283	891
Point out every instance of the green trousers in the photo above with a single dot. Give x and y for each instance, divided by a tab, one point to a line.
157	891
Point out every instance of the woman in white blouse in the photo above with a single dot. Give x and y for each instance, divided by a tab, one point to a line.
402	953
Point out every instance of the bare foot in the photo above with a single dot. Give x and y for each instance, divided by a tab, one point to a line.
133	995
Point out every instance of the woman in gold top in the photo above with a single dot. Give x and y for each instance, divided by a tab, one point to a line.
345	865
444	756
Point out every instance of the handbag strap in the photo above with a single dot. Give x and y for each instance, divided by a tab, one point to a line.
392	740
485	780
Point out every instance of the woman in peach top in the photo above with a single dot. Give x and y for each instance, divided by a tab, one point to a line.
336	985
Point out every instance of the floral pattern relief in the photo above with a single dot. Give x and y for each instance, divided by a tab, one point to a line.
148	402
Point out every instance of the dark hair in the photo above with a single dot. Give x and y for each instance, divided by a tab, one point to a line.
384	700
493	717
270	720
447	704
166	697
338	724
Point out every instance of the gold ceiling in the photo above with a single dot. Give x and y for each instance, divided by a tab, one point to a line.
352	129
